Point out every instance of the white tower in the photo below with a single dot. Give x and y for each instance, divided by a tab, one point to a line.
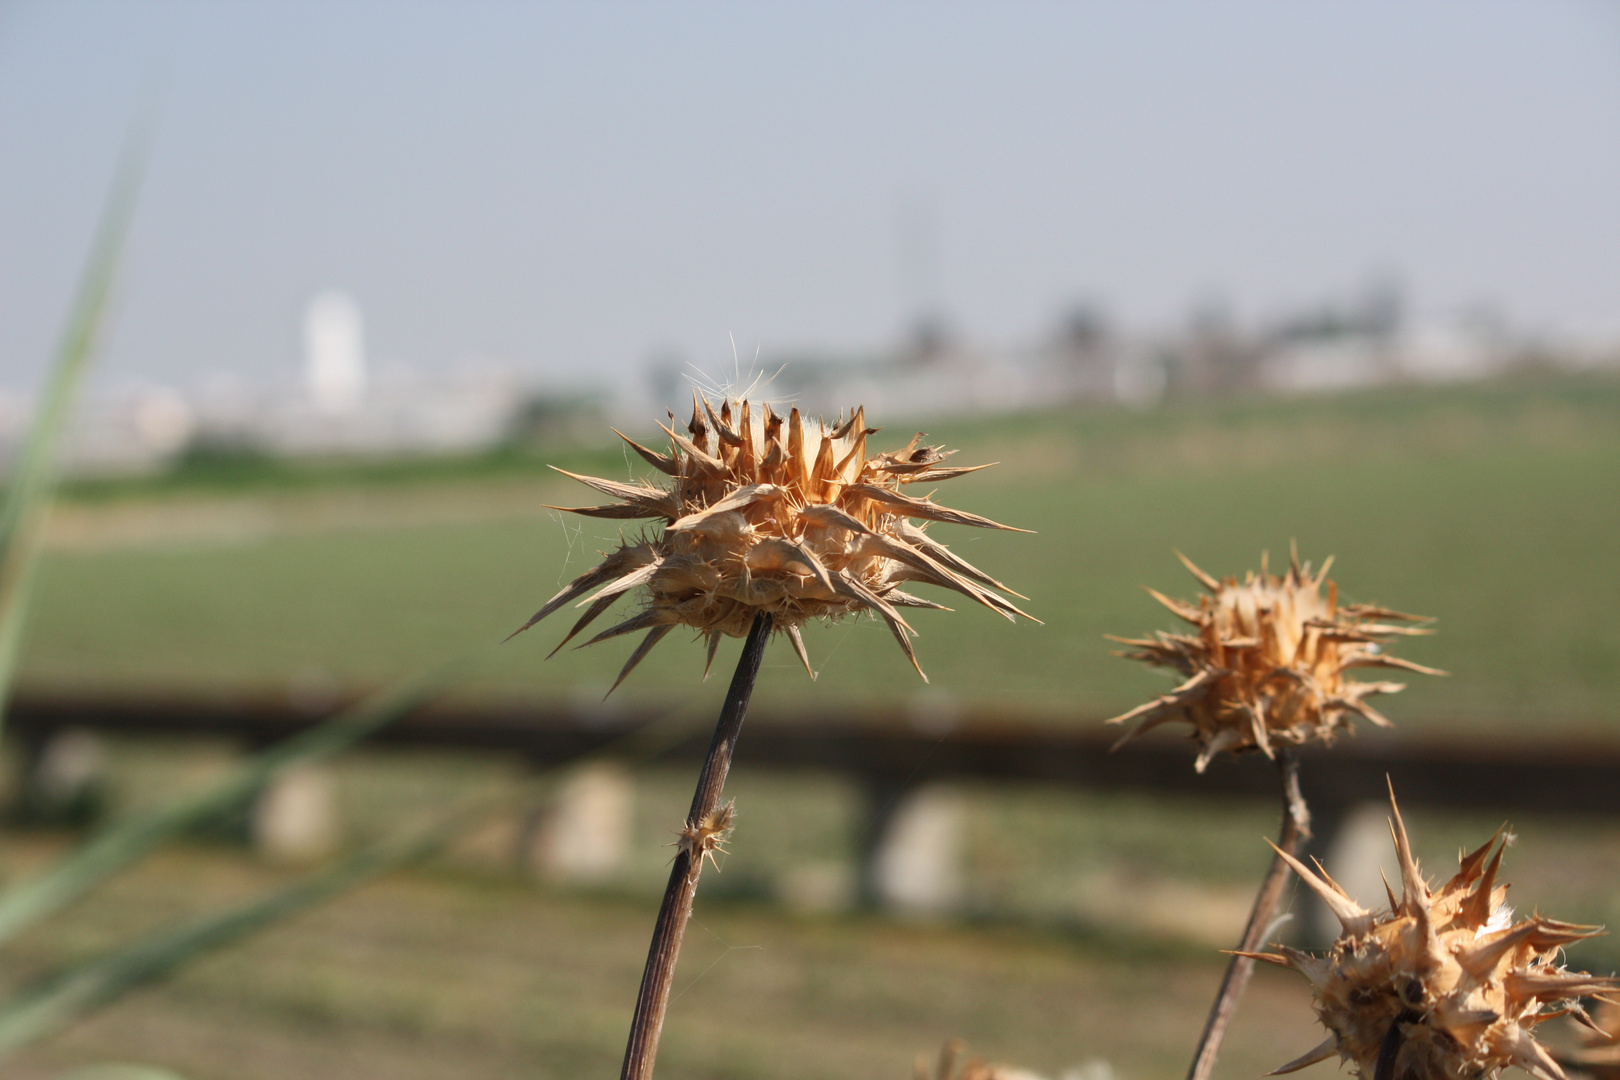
334	352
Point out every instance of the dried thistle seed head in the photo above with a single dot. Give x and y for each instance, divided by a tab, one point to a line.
1266	661
944	1067
775	514
1444	980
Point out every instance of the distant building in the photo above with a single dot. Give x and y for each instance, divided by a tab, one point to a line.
334	353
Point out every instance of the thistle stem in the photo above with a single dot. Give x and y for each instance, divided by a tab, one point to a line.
1389	1051
659	974
1296	826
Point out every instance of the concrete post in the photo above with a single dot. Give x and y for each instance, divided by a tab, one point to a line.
583	834
63	779
913	856
295	817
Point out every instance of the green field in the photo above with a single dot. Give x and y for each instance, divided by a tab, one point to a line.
1090	922
1492	508
455	972
433	977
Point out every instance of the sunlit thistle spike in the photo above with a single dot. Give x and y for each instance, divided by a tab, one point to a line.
1414	890
1321	872
906	506
695	426
1183	611
643	621
1389	892
619	563
798	647
1477	908
745	435
708	660
920	540
1203	579
662	462
694	454
1324	1050
590	616
1468	866
654	636
1351	915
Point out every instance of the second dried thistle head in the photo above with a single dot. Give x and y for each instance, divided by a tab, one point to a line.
1266	662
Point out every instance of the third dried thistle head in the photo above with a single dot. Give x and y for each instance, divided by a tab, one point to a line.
1443	984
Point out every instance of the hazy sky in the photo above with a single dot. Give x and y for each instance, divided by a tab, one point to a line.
577	187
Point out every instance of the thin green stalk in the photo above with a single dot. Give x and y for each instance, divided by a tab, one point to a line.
28	495
75	993
82	989
128	840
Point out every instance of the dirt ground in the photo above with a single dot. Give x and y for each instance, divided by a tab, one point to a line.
438	974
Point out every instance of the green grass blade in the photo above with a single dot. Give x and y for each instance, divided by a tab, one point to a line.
28	494
126	841
80	990
86	987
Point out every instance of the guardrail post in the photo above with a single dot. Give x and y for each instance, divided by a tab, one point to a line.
911	850
582	835
61	778
295	816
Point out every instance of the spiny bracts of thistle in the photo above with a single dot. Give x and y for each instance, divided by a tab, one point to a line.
1444	985
779	515
1267	661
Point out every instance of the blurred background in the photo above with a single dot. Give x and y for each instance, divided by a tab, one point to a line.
1215	278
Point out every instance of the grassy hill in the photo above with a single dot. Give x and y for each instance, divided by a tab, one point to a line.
1493	508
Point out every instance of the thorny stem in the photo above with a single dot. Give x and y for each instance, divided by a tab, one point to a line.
1296	825
659	974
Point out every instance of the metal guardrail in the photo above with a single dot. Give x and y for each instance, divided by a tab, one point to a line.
889	748
894	754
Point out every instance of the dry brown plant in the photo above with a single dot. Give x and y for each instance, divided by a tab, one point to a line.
951	1065
776	515
1443	984
767	523
1266	664
1265	669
